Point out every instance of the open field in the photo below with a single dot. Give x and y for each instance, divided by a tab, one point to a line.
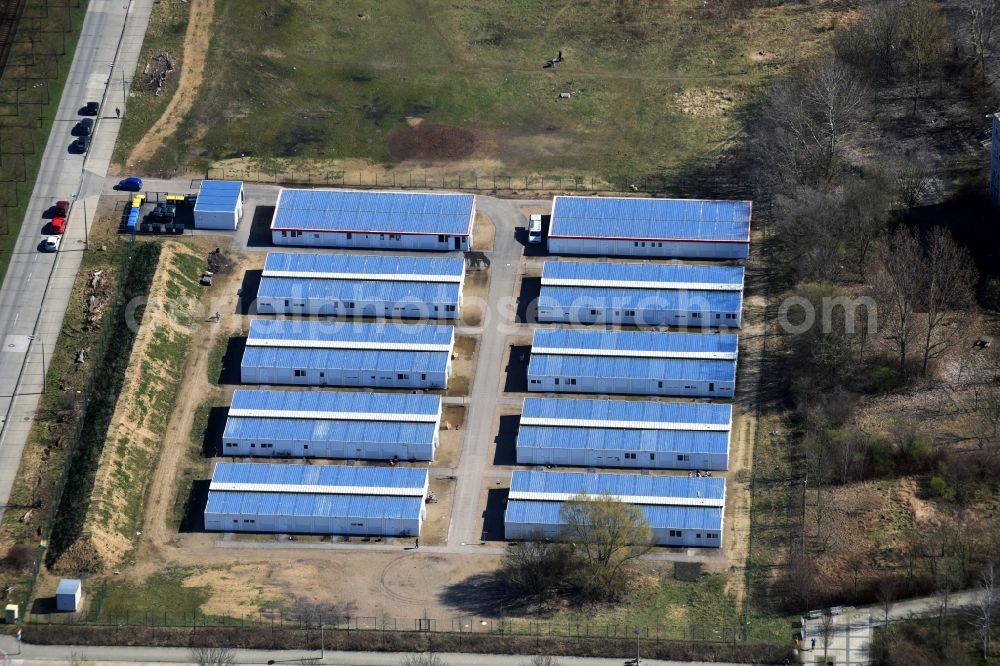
460	86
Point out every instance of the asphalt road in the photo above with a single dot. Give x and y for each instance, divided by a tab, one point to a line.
49	654
37	287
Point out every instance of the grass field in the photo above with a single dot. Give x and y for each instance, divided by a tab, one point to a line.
655	86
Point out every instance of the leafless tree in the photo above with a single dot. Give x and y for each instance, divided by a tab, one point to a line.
983	20
827	626
213	656
871	44
950	287
985	609
535	566
886	595
913	180
924	32
423	659
897	287
606	534
809	118
866	206
542	660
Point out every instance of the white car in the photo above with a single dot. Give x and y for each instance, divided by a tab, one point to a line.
535	229
51	243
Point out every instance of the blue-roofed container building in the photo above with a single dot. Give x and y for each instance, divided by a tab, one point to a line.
350	285
316	499
219	205
681	510
326	353
679	228
332	424
623	433
633	362
383	220
581	292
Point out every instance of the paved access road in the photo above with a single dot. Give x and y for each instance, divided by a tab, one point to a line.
49	654
851	632
37	287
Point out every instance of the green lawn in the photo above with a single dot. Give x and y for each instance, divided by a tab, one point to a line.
336	82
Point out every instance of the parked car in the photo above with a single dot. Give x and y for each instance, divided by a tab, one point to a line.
60	208
85	127
58	225
51	243
90	109
130	184
81	145
535	229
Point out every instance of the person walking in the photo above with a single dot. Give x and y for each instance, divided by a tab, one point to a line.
118	112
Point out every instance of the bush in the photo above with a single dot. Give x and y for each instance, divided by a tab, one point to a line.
992	293
881	378
941	488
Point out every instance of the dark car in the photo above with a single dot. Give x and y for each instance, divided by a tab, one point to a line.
130	184
60	208
90	109
85	127
81	145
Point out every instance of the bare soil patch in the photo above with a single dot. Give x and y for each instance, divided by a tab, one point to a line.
135	433
196	42
707	103
431	143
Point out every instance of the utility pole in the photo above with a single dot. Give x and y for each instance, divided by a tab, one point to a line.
322	641
637	632
86	233
123	89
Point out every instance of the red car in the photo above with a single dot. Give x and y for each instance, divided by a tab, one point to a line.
58	225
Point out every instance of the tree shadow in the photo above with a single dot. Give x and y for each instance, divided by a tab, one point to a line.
482	594
230	371
260	227
193	519
516	380
527	300
246	304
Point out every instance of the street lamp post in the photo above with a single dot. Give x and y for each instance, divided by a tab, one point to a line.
322	641
637	632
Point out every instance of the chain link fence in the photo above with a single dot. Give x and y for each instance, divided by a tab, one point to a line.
414	180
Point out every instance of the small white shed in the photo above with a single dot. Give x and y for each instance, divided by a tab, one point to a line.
68	595
219	205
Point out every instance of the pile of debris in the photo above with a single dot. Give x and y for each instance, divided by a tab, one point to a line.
96	300
157	72
219	262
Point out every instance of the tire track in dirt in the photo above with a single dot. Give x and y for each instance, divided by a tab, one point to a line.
199	29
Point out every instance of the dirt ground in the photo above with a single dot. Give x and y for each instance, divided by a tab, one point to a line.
474	296
463	365
450	438
484	233
192	74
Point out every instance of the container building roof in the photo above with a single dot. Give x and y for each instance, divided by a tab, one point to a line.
218	196
314	506
364	267
642	276
327	335
659	517
616	439
626	414
634	344
68	586
339	405
676	220
319	479
374	212
632	488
